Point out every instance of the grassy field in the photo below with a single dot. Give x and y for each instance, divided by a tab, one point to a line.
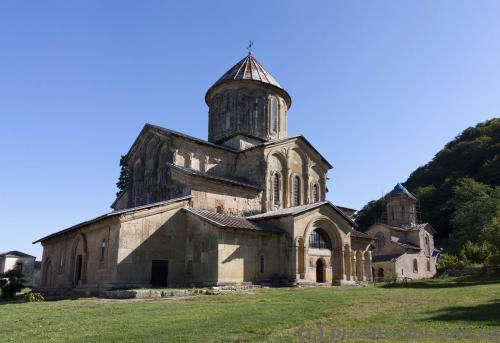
272	315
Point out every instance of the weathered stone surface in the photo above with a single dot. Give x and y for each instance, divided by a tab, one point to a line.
249	166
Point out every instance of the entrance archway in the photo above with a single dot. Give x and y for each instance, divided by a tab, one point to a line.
79	256
320	271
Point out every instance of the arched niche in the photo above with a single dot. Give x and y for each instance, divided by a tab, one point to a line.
277	167
79	258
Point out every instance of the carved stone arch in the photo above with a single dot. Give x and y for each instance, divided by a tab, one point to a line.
76	254
335	236
330	227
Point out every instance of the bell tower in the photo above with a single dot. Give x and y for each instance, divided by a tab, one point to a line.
401	207
247	106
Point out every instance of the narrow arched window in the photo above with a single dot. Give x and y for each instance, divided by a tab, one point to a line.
315	192
274	115
379	241
283	119
318	239
428	265
276	189
103	249
415	266
296	191
261	264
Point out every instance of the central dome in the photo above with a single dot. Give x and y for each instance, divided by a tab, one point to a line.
247	101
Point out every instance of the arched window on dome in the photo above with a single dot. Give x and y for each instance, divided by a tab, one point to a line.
274	115
318	239
296	191
276	189
282	119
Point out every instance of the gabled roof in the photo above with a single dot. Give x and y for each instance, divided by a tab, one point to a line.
15	253
190	171
165	131
112	214
386	258
230	222
293	211
283	140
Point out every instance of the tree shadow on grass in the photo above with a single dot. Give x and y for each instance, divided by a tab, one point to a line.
488	313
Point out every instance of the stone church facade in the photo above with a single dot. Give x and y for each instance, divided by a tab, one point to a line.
404	248
247	206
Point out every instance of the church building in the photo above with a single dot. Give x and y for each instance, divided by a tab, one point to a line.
247	206
404	247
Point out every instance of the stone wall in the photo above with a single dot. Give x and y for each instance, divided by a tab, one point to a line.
241	254
28	267
60	255
155	234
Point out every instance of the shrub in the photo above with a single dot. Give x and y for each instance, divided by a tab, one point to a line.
476	252
13	284
33	297
447	261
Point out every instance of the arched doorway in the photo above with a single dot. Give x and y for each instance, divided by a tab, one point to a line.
79	257
380	273
320	271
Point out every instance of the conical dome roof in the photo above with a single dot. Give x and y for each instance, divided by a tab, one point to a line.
399	189
249	69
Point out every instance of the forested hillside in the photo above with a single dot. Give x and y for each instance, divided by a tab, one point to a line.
466	172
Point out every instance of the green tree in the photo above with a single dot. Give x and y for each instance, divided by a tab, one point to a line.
123	179
12	282
370	214
476	205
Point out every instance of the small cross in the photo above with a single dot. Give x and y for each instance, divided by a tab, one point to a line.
249	47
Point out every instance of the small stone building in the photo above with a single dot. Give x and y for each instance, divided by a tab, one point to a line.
247	206
25	263
403	248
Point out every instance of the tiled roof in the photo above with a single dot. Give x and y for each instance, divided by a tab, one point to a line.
406	228
349	211
15	253
399	189
183	135
226	221
248	69
386	258
112	214
360	234
406	245
213	177
290	211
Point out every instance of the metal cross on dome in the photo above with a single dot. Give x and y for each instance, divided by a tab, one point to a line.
249	47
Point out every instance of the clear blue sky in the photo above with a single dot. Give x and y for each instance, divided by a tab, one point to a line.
377	86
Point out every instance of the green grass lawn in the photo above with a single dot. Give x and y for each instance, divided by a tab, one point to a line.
264	315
